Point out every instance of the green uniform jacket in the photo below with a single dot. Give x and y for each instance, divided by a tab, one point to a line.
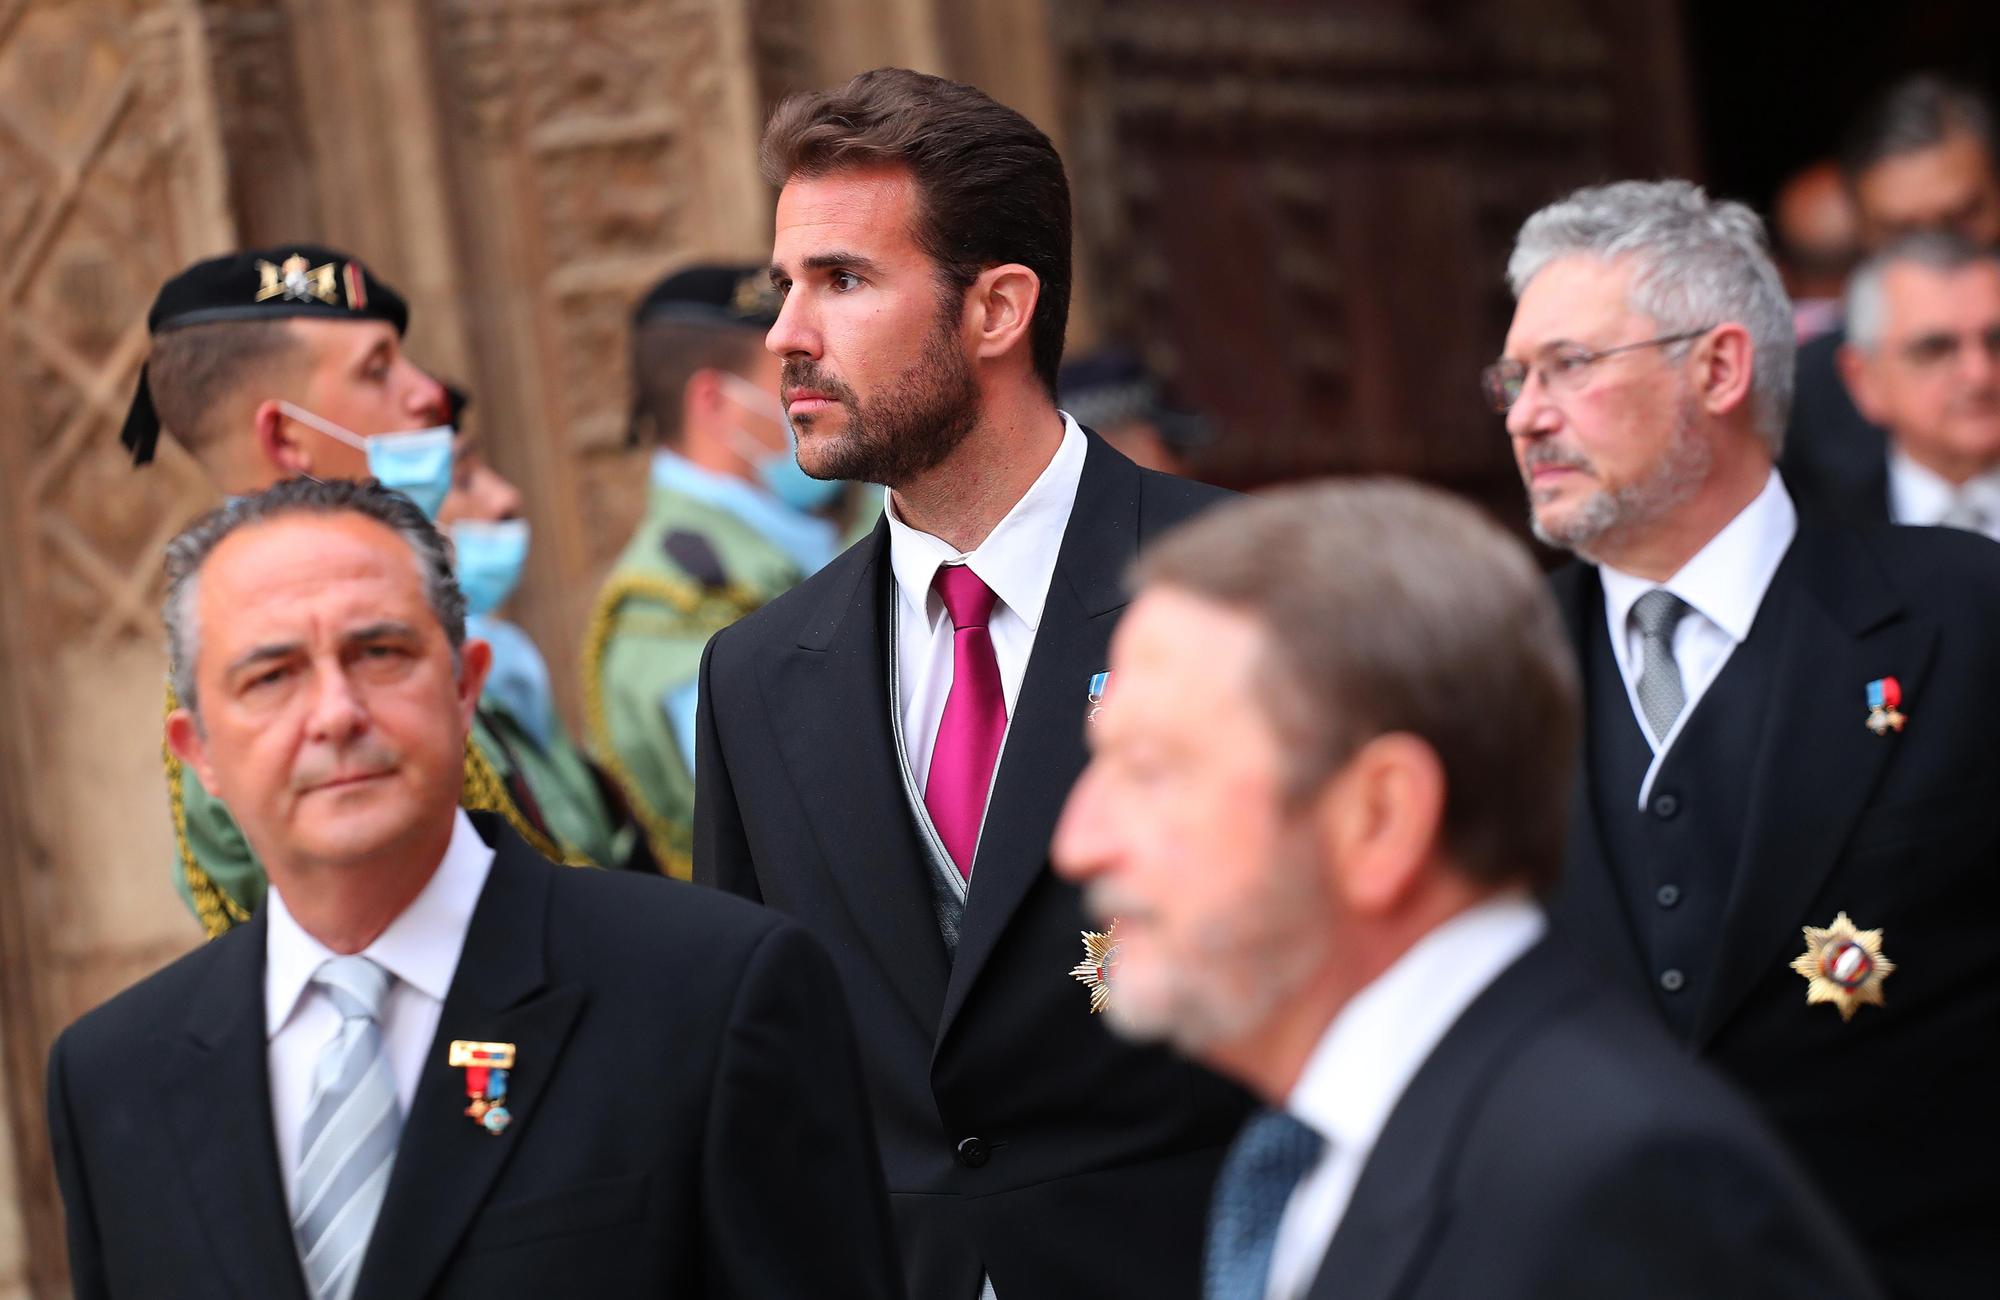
692	569
222	882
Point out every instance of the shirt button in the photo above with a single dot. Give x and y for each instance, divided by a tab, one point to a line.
972	1153
1666	806
1668	895
1672	980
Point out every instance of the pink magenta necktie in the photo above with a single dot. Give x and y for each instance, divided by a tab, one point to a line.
974	721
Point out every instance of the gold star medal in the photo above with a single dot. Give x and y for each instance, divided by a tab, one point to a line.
486	1067
1098	971
1843	965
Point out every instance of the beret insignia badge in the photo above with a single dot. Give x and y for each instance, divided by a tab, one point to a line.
297	280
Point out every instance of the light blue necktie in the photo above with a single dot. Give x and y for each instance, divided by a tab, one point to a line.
349	1141
1264	1165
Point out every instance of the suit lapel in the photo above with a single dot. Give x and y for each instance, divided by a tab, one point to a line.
1588	897
218	1100
828	700
1818	763
446	1164
1045	741
1399	1204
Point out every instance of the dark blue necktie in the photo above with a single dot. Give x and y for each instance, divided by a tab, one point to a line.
1266	1162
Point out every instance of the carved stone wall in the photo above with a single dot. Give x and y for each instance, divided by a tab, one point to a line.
110	178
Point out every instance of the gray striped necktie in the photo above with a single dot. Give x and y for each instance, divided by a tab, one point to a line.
1661	693
349	1141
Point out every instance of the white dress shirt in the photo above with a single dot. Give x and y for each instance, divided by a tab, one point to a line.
1367	1057
1922	496
1723	585
1017	560
420	949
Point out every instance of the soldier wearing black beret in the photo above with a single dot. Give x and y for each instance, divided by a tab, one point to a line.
269	364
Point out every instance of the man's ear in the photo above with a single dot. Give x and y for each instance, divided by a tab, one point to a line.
278	440
186	742
1000	308
475	660
1726	366
1379	821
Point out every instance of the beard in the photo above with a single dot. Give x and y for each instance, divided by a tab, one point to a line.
1232	972
1673	479
907	429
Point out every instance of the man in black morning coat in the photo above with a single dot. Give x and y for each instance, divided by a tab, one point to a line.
667	1100
1785	839
852	731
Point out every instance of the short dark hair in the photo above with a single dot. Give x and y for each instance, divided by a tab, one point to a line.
190	549
665	355
1397	608
991	185
1916	113
194	371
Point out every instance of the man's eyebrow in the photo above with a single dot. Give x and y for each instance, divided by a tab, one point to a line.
840	261
262	654
388	629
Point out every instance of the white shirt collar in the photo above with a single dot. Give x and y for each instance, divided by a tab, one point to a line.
1920	495
1374	1047
1017	559
1726	580
420	947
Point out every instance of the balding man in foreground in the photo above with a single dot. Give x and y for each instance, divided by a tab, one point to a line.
1319	800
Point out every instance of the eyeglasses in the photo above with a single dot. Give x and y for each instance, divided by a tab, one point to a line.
1930	351
1561	370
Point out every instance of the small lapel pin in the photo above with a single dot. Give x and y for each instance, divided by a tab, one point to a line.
1099	684
1885	699
1843	965
486	1067
1098	971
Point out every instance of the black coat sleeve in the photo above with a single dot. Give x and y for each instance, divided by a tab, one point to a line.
1685	1212
721	850
794	1202
86	1254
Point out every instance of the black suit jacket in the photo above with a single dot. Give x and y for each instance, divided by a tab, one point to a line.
1892	1110
1018	1135
687	1102
1836	462
1555	1146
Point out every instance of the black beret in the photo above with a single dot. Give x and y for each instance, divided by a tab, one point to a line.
259	284
713	294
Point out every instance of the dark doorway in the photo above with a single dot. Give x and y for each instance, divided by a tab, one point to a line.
1776	82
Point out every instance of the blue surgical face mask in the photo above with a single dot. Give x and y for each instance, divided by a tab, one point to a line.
489	557
417	464
777	471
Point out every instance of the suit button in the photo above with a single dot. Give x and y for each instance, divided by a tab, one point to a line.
1668	895
1665	806
972	1153
1672	980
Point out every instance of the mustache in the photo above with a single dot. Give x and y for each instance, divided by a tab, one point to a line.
363	758
1546	455
804	372
1104	900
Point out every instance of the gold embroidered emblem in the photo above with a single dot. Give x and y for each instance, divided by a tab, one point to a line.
296	280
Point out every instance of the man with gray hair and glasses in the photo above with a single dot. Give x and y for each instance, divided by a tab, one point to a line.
434	1063
1783	835
1922	360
